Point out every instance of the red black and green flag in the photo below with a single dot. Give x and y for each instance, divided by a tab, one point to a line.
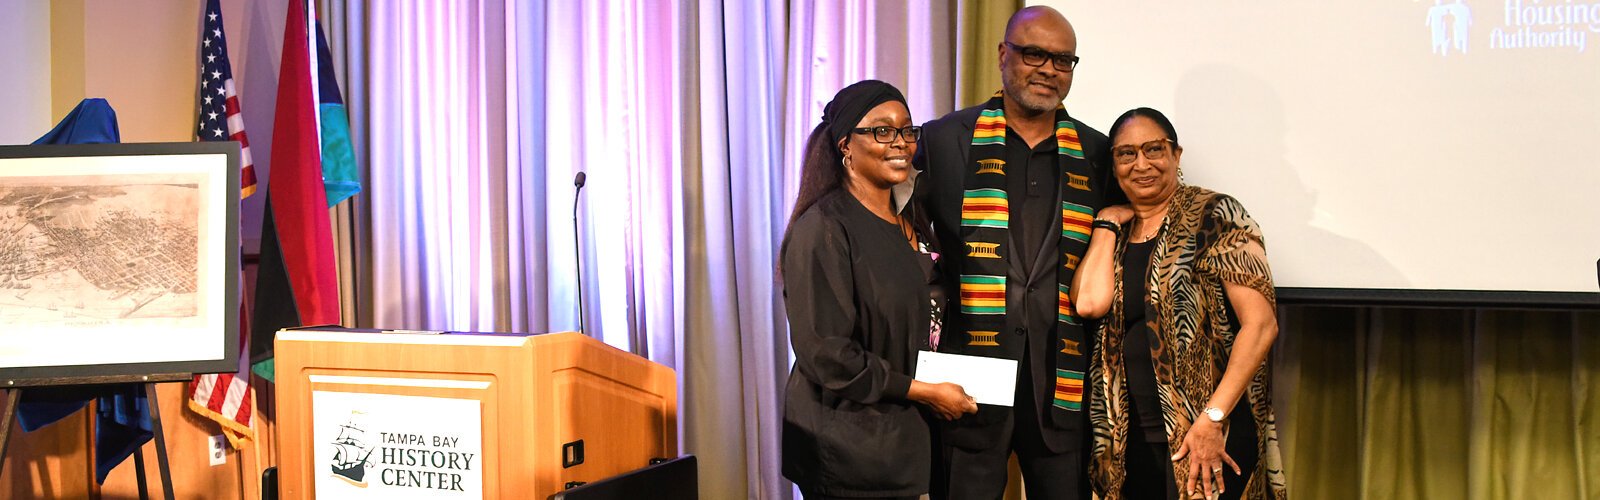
297	283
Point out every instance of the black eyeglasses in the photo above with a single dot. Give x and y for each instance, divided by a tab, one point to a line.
1153	150
1034	56
886	134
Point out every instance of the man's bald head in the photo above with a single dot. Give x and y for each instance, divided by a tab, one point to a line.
1047	17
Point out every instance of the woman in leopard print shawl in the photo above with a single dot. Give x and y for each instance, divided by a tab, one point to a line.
1179	278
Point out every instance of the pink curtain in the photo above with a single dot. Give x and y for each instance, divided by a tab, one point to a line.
687	117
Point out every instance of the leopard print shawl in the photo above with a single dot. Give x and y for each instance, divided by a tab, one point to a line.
1206	240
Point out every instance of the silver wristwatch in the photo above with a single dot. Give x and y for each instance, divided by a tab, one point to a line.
1215	414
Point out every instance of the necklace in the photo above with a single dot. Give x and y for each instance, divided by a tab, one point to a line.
1147	231
906	229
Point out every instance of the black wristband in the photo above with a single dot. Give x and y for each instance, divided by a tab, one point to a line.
1107	225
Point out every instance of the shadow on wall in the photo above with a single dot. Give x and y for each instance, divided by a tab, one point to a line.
1216	107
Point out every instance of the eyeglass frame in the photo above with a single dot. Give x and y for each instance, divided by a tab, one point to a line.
1052	57
1141	150
905	132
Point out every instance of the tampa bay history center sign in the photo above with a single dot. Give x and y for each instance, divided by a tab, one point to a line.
396	447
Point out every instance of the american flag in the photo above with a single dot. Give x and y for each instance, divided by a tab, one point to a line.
219	104
225	397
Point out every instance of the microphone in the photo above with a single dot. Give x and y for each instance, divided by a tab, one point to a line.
577	242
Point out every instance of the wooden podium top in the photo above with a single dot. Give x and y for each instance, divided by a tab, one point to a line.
397	414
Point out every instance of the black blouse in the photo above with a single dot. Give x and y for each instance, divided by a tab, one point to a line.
858	300
1136	343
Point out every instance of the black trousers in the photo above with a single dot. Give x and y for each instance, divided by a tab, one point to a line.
1046	475
982	474
1148	463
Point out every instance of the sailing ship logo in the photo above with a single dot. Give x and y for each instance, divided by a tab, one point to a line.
351	452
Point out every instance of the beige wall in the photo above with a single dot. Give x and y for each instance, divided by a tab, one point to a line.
25	83
142	56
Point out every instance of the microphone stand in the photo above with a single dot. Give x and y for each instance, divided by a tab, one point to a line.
577	244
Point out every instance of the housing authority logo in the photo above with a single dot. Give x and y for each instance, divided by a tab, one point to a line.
1523	24
1447	23
1538	24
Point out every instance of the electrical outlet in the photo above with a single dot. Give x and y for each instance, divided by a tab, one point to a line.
218	450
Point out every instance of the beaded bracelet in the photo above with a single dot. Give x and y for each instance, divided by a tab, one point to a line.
1107	225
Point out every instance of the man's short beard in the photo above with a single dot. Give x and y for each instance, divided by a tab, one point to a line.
1018	93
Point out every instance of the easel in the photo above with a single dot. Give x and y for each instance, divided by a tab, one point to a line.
148	383
212	164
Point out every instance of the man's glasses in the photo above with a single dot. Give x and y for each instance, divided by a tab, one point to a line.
886	134
1153	150
1034	56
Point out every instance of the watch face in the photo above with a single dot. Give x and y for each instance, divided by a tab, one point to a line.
1215	414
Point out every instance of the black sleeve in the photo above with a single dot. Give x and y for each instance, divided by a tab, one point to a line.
936	141
921	195
819	296
1113	190
1097	149
919	161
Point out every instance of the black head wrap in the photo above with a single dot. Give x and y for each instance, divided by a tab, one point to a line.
853	102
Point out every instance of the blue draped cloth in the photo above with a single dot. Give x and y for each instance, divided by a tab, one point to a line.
122	422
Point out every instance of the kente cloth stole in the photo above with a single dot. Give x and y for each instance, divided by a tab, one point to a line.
985	224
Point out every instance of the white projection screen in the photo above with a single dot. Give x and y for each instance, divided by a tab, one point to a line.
1393	151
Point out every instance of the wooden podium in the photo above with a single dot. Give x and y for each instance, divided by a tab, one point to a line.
376	414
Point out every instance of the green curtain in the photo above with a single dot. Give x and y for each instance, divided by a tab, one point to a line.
1404	403
981	26
1401	404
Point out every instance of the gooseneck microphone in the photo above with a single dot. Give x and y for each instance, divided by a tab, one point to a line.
577	243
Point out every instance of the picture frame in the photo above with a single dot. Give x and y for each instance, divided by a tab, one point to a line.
118	262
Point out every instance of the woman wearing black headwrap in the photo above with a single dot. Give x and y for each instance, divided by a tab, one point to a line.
859	285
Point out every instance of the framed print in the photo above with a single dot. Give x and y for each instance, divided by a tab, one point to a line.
118	260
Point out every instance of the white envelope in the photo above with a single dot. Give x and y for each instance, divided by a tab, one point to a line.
990	381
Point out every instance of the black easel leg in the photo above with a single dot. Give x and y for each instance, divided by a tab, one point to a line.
138	471
13	396
161	441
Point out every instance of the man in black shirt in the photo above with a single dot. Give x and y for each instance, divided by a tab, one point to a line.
1012	187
